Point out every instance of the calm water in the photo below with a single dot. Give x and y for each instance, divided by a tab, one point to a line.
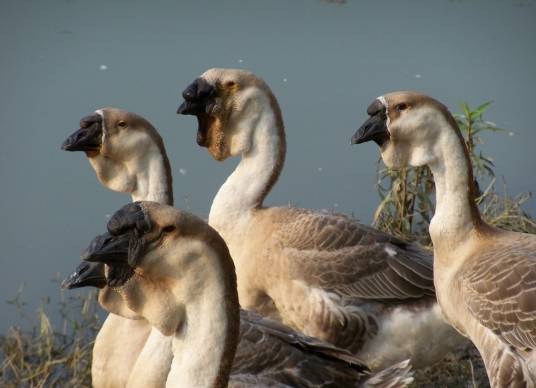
60	60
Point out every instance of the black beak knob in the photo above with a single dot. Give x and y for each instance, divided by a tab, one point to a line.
198	90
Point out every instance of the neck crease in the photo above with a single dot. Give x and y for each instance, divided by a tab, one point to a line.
146	178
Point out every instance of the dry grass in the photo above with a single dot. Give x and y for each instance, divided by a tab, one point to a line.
51	354
506	212
462	369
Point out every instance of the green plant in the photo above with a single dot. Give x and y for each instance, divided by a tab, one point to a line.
407	202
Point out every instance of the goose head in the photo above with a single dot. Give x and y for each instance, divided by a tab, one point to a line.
407	126
166	250
228	104
126	152
103	277
115	133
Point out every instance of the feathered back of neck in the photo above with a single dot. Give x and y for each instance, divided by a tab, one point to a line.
160	186
457	214
281	151
469	176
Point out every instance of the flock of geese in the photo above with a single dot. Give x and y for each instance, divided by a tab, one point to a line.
287	297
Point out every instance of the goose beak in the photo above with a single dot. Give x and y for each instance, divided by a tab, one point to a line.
196	96
108	249
375	128
86	275
198	102
88	137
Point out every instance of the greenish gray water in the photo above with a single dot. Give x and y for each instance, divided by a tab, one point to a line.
62	59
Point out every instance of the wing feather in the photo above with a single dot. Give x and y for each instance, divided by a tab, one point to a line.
334	252
499	289
271	353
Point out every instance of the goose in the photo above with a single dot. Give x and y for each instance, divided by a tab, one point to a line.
128	155
321	273
485	277
183	282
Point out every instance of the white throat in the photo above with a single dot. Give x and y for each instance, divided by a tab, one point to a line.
245	189
453	220
199	344
198	347
145	177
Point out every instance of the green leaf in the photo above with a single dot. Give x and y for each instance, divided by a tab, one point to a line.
482	108
466	109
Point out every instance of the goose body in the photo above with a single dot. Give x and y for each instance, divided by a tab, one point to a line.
485	277
128	156
183	282
333	285
321	273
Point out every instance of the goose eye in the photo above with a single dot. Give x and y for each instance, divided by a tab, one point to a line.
401	107
122	124
168	229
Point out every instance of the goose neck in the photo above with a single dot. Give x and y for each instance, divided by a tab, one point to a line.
456	215
152	174
205	343
257	172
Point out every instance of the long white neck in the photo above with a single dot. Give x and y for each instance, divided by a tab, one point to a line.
456	215
246	188
205	343
199	346
151	173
